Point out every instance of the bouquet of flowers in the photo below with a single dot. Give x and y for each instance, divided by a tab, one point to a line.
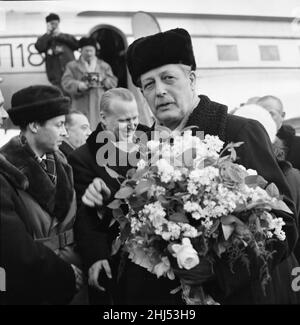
186	200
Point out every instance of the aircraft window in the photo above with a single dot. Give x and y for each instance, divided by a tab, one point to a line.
227	53
269	53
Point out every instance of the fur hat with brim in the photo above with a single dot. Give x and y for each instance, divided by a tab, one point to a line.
37	103
170	47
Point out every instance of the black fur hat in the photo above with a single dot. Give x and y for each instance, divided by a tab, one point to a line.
170	47
37	103
86	41
51	17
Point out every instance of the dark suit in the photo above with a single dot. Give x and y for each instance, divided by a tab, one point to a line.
292	143
94	236
66	149
256	152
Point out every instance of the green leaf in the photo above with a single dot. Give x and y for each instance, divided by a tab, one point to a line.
255	180
214	227
230	219
178	217
130	173
117	243
280	205
124	192
112	173
118	213
272	190
126	231
114	204
112	222
232	154
227	230
137	203
163	200
143	186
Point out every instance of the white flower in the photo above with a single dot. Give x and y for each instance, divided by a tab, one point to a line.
189	231
213	143
163	267
141	164
155	213
251	172
190	206
192	188
196	215
153	145
186	255
165	170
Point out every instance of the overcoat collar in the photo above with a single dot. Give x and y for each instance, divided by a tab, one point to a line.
55	199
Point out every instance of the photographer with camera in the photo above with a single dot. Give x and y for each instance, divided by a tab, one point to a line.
58	48
86	80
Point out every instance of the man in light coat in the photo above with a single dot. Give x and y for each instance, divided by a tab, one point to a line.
86	80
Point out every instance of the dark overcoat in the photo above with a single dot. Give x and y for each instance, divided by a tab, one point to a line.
56	63
32	211
242	287
94	236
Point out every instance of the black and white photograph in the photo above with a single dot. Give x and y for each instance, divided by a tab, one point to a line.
149	155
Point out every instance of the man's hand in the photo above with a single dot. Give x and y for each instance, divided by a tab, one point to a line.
78	277
109	83
197	275
82	86
96	192
94	272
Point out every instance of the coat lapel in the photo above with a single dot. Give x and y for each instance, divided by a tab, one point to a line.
209	117
54	199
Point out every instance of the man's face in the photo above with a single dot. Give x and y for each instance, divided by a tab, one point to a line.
122	119
53	24
169	93
78	130
88	53
3	113
50	135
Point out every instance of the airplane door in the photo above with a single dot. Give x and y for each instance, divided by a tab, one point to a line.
144	24
113	47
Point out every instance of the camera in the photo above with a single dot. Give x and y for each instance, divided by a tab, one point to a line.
93	79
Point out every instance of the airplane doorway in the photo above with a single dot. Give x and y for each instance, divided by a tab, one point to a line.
113	48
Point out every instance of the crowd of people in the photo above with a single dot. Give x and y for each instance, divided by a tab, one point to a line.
56	229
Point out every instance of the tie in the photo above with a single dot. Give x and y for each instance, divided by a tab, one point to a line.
49	166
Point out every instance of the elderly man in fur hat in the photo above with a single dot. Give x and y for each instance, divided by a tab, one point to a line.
86	80
38	203
163	66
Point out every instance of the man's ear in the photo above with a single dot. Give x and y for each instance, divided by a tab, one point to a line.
193	78
33	127
103	118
